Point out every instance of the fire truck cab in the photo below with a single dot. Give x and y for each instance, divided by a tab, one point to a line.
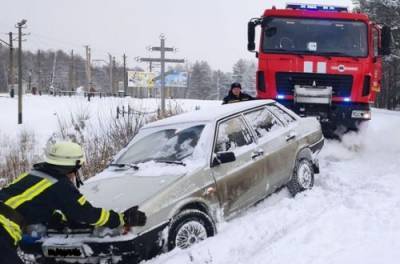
320	61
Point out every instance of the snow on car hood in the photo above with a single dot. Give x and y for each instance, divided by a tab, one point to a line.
120	189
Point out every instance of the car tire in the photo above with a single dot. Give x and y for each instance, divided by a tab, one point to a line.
302	178
189	227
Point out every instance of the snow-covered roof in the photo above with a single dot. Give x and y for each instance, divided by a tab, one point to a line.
209	114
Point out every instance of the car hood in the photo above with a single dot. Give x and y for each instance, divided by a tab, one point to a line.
125	190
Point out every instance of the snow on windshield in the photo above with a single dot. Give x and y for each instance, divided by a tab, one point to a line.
167	144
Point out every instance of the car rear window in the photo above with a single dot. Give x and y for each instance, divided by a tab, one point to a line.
281	114
262	121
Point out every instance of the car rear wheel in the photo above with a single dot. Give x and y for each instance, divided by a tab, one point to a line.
303	177
189	227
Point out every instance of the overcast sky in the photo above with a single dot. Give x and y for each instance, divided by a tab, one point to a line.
210	30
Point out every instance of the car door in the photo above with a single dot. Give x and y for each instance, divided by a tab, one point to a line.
237	182
289	138
270	133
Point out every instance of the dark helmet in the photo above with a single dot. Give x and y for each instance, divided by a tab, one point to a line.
236	85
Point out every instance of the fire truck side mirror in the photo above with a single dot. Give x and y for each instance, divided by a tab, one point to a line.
386	37
251	31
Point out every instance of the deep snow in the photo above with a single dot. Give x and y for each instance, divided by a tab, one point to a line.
352	215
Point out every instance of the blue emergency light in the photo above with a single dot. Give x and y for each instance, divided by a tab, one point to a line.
317	7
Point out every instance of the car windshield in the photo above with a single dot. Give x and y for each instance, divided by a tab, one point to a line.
169	145
315	36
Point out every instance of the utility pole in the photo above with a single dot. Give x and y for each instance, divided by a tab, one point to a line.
39	73
163	60
53	74
88	69
72	72
20	26
114	86
11	64
218	92
125	76
110	58
11	72
30	80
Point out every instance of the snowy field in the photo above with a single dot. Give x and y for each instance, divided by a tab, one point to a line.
41	114
351	216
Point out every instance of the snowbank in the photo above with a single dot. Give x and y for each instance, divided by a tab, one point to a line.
351	216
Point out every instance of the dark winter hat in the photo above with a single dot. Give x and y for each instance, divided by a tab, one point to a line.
236	85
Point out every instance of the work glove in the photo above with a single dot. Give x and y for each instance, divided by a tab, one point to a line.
134	217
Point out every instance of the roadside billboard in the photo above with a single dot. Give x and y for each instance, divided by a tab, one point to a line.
141	79
174	79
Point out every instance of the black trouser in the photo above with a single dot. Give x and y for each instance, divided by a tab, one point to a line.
8	252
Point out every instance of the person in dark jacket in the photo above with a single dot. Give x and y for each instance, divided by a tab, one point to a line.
50	187
236	95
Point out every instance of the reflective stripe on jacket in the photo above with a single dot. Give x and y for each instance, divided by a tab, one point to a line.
11	221
38	194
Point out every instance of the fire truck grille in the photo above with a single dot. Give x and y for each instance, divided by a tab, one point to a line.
341	84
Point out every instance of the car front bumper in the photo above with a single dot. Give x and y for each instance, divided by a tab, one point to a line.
65	249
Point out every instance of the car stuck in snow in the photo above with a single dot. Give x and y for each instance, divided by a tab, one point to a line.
187	173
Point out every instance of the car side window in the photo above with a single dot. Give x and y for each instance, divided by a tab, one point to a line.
263	121
281	114
232	134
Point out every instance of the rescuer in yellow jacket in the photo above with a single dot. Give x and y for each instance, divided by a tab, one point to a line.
33	198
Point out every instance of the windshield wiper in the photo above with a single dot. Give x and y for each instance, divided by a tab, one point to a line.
289	52
178	162
122	165
336	53
310	52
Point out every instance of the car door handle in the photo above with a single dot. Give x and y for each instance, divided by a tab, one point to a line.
257	153
292	135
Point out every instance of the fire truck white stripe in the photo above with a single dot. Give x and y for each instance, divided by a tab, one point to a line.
321	67
308	66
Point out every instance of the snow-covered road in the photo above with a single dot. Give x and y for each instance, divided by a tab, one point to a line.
351	216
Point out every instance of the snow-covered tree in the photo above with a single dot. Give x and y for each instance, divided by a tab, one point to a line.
387	12
221	82
201	81
244	71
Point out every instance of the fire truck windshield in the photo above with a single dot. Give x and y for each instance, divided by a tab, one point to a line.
314	36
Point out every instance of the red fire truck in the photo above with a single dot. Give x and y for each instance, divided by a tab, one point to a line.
320	61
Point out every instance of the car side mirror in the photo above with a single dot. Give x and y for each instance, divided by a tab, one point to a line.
223	157
251	33
386	36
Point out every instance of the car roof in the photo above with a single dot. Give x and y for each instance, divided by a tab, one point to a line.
210	113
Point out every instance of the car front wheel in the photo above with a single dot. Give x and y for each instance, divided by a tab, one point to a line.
303	177
189	227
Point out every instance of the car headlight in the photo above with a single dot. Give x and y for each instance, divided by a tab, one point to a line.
105	231
36	230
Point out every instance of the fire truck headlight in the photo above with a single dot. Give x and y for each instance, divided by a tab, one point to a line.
280	96
347	99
